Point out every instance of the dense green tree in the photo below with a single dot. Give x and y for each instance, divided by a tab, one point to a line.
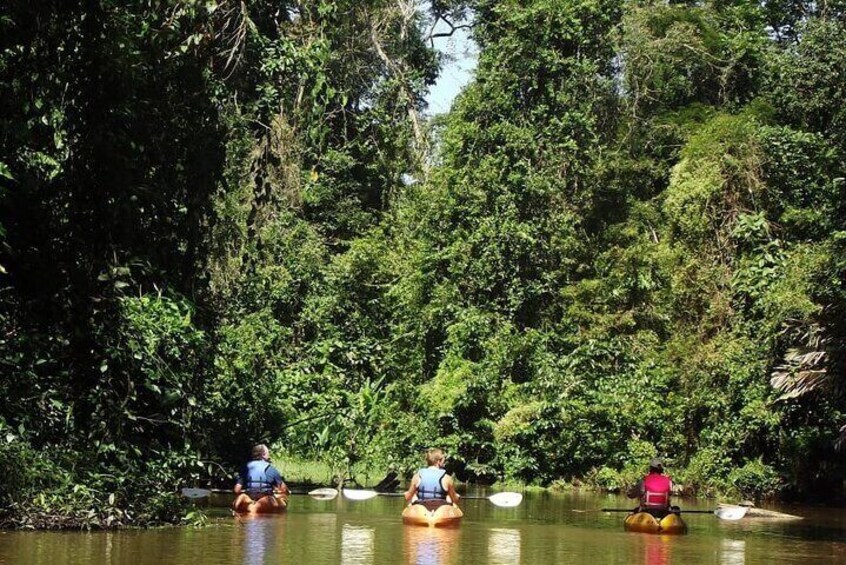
227	222
177	178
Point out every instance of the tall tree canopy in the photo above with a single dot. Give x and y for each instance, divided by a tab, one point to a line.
227	222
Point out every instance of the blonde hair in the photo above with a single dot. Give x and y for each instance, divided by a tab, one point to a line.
259	451
434	456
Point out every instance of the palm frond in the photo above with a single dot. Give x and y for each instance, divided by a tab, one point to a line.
803	371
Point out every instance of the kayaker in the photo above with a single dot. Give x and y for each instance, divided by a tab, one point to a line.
260	483
432	486
654	491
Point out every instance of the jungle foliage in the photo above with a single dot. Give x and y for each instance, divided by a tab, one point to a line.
230	222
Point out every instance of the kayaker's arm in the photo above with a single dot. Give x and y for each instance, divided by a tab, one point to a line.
277	481
450	488
237	488
636	491
412	489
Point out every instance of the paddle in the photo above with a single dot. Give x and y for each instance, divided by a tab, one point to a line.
723	512
731	512
501	499
199	493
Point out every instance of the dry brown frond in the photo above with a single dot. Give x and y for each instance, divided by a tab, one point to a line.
803	371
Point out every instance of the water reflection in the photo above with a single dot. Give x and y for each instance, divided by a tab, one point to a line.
357	545
318	527
504	546
733	552
430	546
548	531
657	549
258	534
109	542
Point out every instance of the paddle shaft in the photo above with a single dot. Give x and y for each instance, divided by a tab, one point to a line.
230	491
681	511
501	499
460	496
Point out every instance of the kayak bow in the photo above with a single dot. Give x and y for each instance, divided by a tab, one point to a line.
445	516
646	523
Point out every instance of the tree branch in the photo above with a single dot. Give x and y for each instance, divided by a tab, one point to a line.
452	29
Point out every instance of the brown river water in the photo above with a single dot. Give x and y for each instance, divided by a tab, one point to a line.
545	528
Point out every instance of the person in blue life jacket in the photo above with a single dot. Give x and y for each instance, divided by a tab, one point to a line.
260	487
432	486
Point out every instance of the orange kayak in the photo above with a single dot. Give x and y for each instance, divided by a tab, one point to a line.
265	505
445	516
646	523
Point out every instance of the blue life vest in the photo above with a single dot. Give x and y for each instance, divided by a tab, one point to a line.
430	487
260	477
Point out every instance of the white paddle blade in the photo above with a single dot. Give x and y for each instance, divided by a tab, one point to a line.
731	512
355	494
324	493
195	493
506	499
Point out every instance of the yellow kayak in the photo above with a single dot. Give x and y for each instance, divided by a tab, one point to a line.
275	504
646	523
444	516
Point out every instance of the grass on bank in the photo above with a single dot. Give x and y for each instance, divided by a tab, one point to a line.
297	470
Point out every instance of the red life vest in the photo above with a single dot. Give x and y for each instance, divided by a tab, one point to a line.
656	491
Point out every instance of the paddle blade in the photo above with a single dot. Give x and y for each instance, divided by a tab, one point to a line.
506	499
323	494
731	512
355	494
195	493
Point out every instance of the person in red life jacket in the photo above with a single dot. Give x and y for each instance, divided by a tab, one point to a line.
432	486
260	487
654	491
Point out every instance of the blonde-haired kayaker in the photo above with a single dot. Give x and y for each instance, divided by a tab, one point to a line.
432	486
